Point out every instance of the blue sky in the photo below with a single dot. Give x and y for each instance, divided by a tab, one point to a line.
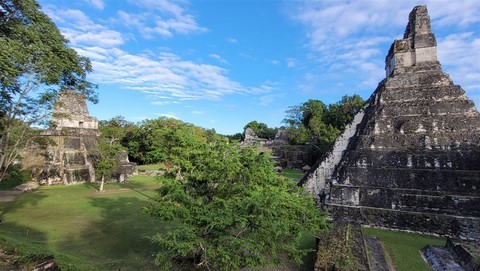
221	64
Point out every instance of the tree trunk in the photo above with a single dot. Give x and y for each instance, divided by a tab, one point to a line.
102	183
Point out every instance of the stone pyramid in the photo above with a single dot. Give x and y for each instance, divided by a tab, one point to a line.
74	135
410	160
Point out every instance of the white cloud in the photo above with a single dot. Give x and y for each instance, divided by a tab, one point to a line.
198	112
291	62
273	61
266	87
268	99
218	57
162	18
352	37
457	49
161	75
81	30
232	40
158	74
98	4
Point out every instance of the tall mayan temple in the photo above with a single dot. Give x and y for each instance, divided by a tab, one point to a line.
410	160
74	134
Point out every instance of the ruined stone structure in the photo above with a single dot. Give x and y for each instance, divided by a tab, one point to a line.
125	167
74	134
286	156
410	159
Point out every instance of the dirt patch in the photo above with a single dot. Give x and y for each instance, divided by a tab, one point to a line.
378	256
10	195
342	248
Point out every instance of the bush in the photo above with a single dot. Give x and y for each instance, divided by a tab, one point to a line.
15	176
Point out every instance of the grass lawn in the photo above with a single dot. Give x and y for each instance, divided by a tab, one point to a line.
404	247
85	229
294	174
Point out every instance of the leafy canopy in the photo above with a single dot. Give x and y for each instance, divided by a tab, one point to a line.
261	129
231	210
35	63
162	140
315	123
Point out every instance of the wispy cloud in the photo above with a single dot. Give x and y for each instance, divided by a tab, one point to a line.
164	76
162	18
456	49
79	29
219	58
232	40
291	62
268	99
352	37
98	4
272	61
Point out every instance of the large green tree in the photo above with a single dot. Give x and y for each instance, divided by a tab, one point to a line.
35	63
105	155
261	129
162	140
230	210
315	123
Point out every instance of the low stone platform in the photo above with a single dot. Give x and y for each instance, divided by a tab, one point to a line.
455	255
440	258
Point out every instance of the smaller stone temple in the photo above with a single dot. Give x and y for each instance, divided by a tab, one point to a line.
74	134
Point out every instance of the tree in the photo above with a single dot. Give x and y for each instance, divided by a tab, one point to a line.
112	132
231	210
115	129
163	139
341	113
35	64
261	129
315	123
105	160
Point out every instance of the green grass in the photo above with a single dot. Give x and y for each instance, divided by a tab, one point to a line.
88	230
294	174
85	229
404	247
308	241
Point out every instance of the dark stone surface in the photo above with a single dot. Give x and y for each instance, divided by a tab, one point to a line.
413	162
439	258
465	253
294	156
422	222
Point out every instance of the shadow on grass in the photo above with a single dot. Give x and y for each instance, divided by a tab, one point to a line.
119	240
24	243
95	186
26	199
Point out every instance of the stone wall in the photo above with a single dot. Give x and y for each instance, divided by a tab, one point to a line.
125	168
285	155
294	156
